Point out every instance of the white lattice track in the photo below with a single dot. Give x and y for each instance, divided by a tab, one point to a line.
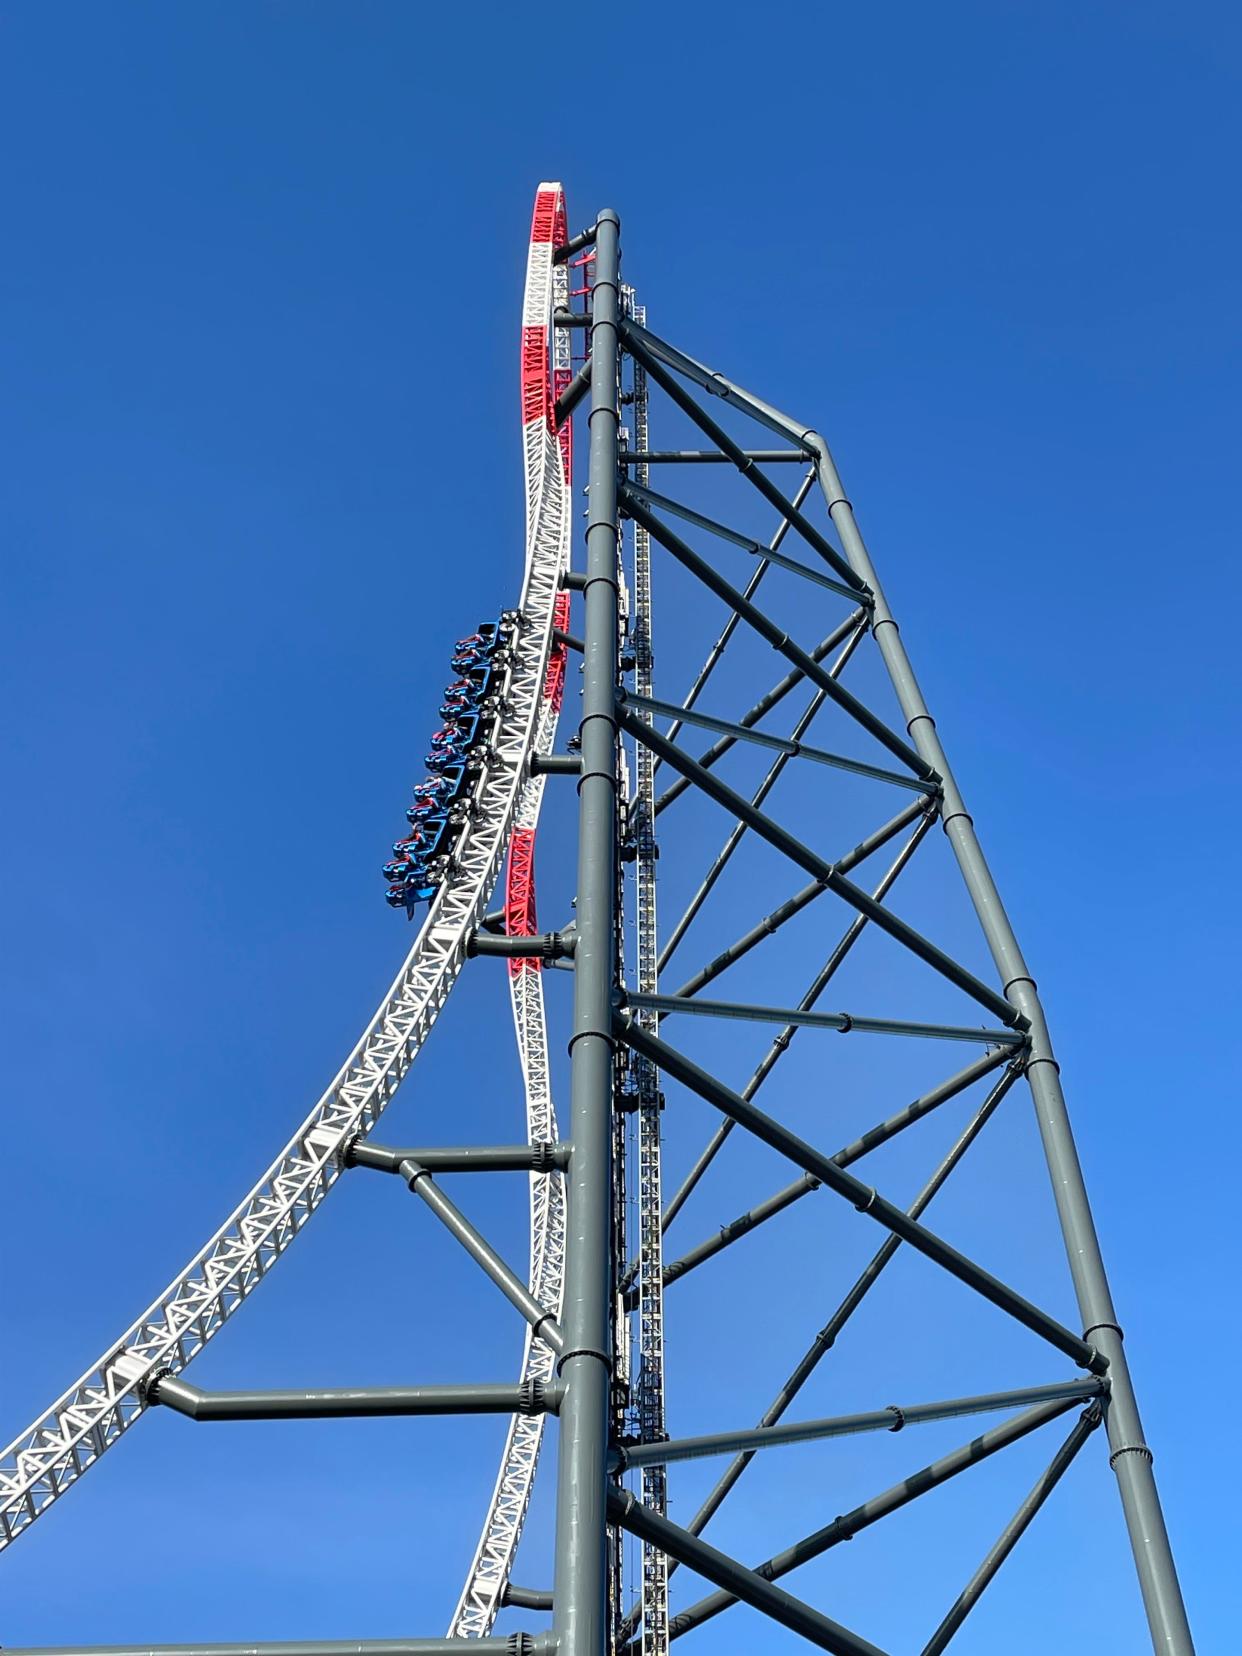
53	1453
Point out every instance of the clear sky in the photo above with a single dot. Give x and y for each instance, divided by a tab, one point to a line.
260	284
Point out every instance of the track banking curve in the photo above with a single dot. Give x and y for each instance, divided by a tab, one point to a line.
65	1441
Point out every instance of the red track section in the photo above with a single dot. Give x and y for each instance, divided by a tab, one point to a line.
542	384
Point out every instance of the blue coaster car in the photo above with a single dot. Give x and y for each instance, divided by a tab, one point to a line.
477	653
460	698
410	894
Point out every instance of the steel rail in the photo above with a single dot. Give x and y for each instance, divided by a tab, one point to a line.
69	1437
487	1579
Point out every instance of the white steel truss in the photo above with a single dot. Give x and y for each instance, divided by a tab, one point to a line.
71	1435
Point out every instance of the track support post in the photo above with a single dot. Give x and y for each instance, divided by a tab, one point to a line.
580	1622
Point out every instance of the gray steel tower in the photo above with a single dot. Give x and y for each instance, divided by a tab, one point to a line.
594	1355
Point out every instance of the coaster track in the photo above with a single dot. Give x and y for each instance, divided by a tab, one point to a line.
488	1576
70	1436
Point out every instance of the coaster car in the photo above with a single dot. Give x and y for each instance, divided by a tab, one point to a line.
446	760
411	893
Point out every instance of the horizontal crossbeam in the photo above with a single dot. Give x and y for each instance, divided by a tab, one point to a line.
692	457
529	1397
891	1418
844	1022
543	1156
513	1644
541	946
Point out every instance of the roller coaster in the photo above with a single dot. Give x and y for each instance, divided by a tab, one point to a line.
593	1296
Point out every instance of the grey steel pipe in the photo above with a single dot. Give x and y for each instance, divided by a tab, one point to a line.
827	1337
767	489
541	1320
737	1582
852	625
541	946
795	904
575	244
1013	1532
891	1418
842	1022
580	1613
762	457
362	1402
543	1156
860	1195
716	385
1131	1459
777	637
879	1506
782	1042
555	764
801	854
527	1598
731	621
787	745
516	1644
572	395
745	543
794	1192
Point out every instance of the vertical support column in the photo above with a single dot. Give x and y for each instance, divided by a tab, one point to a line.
1130	1459
580	1592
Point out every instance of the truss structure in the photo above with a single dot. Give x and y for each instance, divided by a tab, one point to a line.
594	1354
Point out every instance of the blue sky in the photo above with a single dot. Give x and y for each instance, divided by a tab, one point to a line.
261	283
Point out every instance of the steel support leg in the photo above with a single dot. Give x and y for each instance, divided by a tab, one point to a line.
580	1588
1131	1459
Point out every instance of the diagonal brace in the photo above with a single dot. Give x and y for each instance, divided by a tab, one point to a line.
739	1583
862	1196
776	636
718	435
777	744
814	864
1009	1537
541	1320
879	1506
850	629
747	543
861	1146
